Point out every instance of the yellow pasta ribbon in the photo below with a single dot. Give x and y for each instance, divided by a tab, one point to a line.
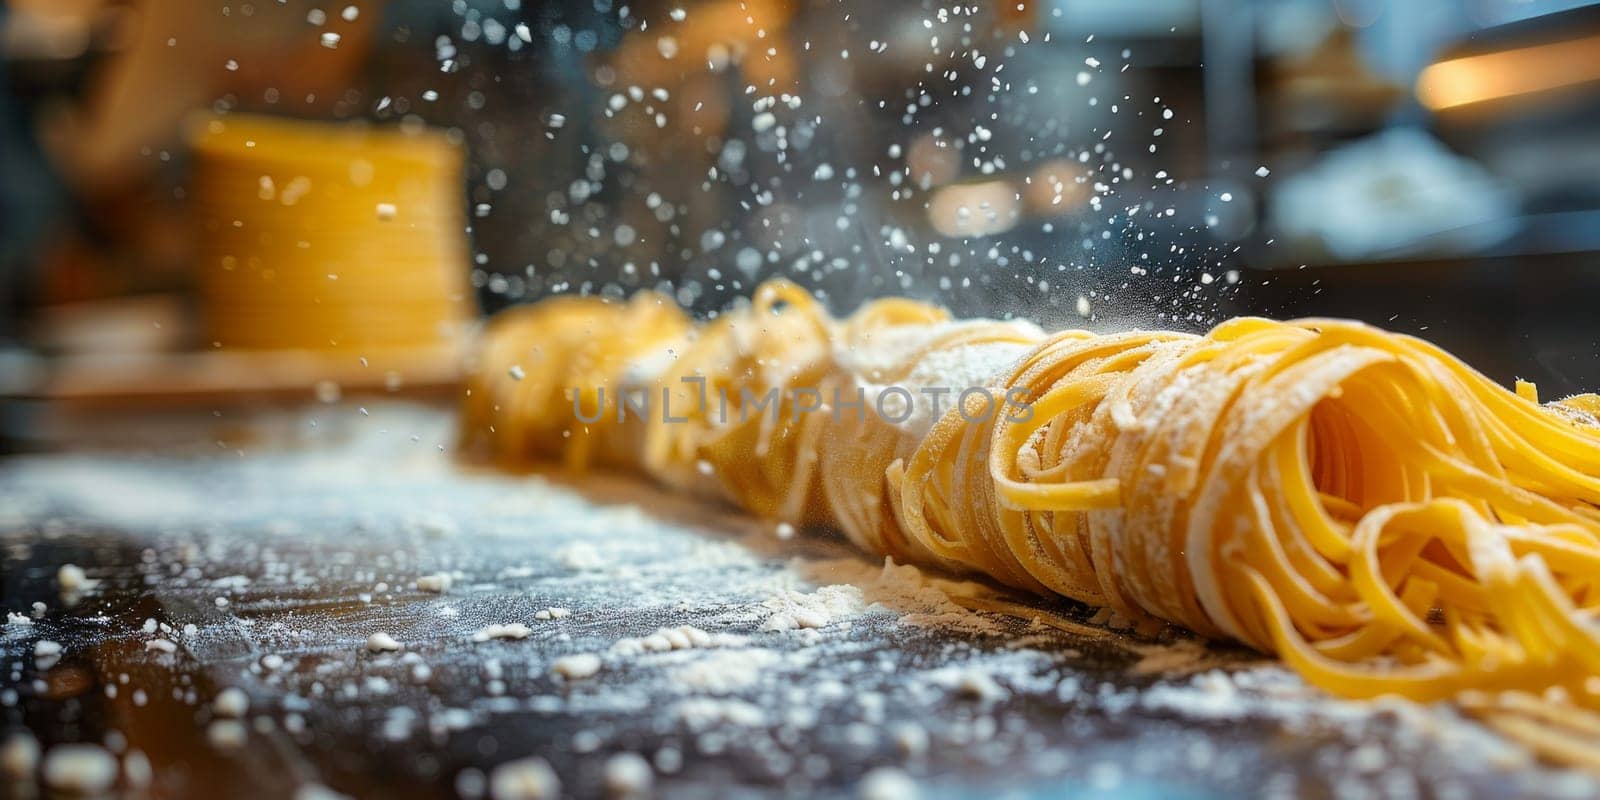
1358	502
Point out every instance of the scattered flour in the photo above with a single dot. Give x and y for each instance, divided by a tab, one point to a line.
577	667
381	642
316	791
682	637
720	681
432	526
19	756
528	778
1183	657
972	683
887	783
724	671
1272	692
137	769
910	739
515	630
437	583
580	556
916	599
794	610
226	734
231	702
704	713
70	577
83	769
628	775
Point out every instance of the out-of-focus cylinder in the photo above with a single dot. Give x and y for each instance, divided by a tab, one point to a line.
332	237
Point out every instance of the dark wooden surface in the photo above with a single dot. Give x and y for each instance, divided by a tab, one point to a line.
296	538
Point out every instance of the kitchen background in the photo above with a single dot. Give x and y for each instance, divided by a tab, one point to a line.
1429	166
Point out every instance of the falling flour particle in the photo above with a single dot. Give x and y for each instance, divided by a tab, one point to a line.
515	630
18	620
381	642
327	392
231	702
160	646
71	578
628	775
910	739
528	778
516	372
87	769
886	783
226	734
44	648
470	783
19	756
437	583
552	613
136	766
576	667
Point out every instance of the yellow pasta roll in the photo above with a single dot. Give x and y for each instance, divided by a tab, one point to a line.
1360	503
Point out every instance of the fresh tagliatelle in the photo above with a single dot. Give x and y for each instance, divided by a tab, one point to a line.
1361	503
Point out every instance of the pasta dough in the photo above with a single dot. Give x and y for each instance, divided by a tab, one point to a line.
1358	502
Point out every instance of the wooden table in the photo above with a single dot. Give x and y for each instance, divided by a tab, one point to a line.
285	558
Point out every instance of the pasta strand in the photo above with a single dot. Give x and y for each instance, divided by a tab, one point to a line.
1360	503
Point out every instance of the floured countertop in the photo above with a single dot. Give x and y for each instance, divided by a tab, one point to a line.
339	607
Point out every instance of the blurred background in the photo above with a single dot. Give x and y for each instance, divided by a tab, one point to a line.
206	200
